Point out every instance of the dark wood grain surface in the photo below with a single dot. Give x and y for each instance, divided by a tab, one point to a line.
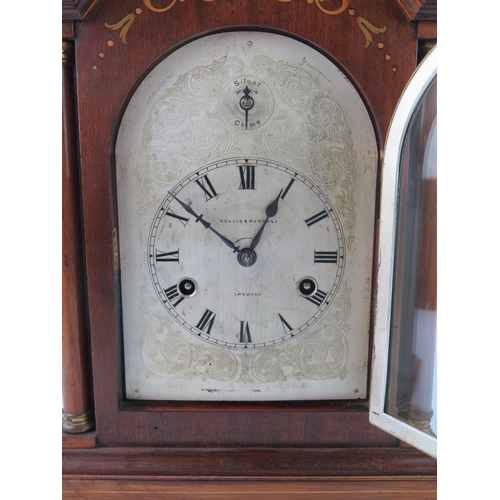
394	488
266	462
419	10
78	10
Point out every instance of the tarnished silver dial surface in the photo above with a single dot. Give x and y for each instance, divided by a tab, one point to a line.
263	303
227	132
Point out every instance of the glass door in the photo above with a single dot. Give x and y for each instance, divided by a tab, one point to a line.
403	393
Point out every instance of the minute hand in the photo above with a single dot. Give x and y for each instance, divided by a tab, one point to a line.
271	211
207	225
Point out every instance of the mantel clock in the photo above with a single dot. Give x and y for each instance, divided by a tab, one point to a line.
226	157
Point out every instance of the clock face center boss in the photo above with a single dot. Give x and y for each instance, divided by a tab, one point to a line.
246	187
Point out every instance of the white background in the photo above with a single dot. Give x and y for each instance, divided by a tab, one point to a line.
469	273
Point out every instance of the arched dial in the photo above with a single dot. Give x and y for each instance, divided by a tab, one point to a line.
246	174
246	253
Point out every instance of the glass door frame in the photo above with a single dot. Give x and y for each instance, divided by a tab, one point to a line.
394	150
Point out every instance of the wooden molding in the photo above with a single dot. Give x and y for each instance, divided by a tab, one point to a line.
78	441
418	10
246	462
427	30
77	10
354	488
68	31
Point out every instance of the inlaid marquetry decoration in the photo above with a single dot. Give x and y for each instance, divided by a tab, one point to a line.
123	25
367	28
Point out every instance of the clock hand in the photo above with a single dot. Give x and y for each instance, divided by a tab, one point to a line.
207	225
271	211
246	103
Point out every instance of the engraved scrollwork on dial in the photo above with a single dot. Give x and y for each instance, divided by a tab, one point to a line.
316	357
184	129
166	353
215	364
272	365
175	355
284	139
326	121
311	126
321	354
173	113
338	170
295	86
159	351
320	359
163	165
182	115
211	139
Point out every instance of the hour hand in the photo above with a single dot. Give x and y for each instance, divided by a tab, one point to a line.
271	211
206	225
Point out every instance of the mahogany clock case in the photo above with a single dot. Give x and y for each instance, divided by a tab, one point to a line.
116	46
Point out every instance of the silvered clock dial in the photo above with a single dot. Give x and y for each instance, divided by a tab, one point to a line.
268	272
246	167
